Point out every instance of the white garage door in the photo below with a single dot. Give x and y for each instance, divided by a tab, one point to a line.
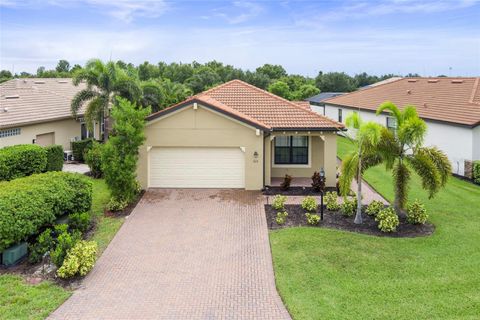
197	168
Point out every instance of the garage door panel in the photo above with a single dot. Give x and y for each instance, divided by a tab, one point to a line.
197	168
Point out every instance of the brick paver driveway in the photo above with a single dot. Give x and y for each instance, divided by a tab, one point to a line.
184	254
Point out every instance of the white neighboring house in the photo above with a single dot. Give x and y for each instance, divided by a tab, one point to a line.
449	106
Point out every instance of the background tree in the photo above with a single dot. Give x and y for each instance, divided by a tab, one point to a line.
105	81
273	71
120	153
5	75
280	88
335	82
402	150
63	66
366	137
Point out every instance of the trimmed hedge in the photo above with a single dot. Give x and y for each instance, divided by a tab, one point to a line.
30	203
80	147
476	171
54	158
22	160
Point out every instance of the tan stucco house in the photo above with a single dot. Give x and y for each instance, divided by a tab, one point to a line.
37	110
236	136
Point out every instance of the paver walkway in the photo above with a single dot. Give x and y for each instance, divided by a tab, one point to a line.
184	254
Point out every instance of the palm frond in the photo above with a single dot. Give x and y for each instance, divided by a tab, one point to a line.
369	136
353	120
370	160
388	148
412	132
95	110
425	168
441	162
392	108
349	172
80	99
409	112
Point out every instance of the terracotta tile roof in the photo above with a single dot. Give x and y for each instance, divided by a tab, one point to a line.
259	107
33	100
455	100
303	104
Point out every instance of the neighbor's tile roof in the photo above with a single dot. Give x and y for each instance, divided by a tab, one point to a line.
259	107
455	100
35	100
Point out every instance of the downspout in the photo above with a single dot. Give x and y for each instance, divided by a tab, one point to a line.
263	143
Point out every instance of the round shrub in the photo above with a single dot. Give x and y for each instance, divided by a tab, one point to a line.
93	158
116	205
281	217
54	158
387	220
79	260
416	213
22	160
310	204
312	219
374	208
279	202
331	201
348	207
80	221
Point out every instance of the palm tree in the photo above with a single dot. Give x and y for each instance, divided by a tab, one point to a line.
364	156
105	81
402	151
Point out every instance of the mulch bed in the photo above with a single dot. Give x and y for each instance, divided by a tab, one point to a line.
294	191
335	220
125	212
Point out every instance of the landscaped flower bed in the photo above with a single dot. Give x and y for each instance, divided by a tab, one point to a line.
296	217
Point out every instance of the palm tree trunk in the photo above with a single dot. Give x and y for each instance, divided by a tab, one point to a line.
358	216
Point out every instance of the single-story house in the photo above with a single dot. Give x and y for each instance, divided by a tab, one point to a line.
449	106
236	135
37	110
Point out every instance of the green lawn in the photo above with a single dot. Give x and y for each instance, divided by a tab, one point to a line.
329	274
19	300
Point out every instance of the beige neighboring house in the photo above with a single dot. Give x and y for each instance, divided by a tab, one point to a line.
37	110
236	136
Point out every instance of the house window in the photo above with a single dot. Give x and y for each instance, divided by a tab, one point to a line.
10	132
392	124
340	118
85	133
291	150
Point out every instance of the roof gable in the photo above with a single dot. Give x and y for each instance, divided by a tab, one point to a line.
264	109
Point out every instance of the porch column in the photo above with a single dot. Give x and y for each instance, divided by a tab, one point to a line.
330	158
268	160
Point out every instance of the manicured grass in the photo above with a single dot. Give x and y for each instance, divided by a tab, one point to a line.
19	300
330	274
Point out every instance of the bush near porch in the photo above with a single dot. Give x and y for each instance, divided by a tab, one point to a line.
331	274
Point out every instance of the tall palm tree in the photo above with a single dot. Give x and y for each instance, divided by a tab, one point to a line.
402	150
105	81
367	137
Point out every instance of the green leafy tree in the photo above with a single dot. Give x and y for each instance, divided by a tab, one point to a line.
257	79
5	75
120	153
202	79
305	91
273	71
402	150
280	88
63	66
335	82
367	136
105	81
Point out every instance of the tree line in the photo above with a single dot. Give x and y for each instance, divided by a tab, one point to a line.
164	84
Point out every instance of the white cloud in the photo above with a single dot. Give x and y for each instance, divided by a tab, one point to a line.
231	15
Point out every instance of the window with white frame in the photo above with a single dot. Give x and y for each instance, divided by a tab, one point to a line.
291	150
10	132
392	124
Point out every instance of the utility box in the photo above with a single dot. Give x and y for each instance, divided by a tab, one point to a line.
14	254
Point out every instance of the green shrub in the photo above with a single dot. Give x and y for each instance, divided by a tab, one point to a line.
93	157
312	219
387	220
310	204
54	158
476	171
374	208
279	202
27	204
80	147
116	205
80	221
348	207
43	244
120	153
281	217
22	160
331	201
79	260
65	241
416	213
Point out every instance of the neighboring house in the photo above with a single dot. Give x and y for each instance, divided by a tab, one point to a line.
38	111
236	136
449	106
316	102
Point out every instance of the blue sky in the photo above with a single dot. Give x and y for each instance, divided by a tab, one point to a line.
397	36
